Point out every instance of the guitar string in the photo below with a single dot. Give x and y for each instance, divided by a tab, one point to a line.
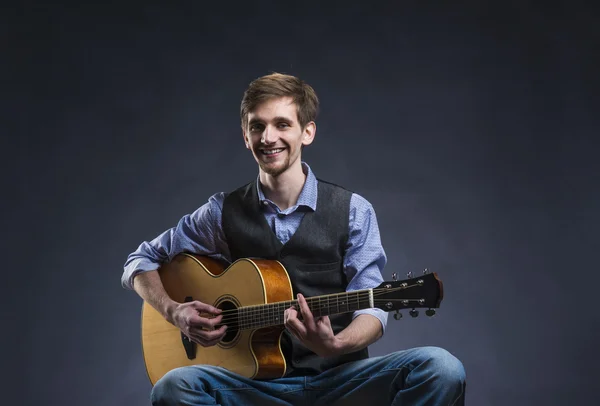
267	309
263	314
260	321
376	292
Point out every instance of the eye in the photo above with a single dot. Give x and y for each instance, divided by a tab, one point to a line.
282	125
256	127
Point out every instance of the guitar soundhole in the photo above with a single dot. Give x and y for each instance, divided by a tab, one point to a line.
231	320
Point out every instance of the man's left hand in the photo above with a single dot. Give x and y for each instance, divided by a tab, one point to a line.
314	332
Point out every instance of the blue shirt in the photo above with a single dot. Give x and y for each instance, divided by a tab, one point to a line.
202	233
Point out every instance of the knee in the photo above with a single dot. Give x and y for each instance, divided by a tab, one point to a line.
169	389
443	367
165	390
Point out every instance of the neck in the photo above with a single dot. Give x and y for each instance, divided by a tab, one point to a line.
285	188
259	316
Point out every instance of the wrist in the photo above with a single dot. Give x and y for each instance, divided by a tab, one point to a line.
338	346
168	308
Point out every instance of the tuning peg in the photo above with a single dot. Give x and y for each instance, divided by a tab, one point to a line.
409	275
394	276
425	271
430	312
397	315
414	313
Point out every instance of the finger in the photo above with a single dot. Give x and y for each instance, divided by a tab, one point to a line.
324	321
291	312
294	325
205	322
208	336
293	331
213	334
299	329
307	315
203	307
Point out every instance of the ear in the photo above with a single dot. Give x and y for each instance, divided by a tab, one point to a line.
245	139
309	132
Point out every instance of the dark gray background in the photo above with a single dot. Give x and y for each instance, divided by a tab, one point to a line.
471	128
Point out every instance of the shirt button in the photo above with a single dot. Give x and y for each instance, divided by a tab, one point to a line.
265	203
280	215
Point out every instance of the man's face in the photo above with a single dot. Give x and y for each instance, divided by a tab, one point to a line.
275	136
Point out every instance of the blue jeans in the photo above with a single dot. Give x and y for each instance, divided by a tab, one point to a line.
415	377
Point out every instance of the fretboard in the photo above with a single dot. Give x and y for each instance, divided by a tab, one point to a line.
253	317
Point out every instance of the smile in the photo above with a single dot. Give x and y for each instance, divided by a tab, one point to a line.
271	151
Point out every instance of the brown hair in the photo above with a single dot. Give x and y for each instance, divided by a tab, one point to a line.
277	85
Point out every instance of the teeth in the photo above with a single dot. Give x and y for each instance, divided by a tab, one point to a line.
271	151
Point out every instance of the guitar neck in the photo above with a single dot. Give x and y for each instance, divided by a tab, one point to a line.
268	315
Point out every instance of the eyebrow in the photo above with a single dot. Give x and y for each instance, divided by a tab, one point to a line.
278	118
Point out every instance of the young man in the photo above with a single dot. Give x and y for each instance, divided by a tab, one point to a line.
328	240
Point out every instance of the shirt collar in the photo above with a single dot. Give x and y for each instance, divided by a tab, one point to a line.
308	195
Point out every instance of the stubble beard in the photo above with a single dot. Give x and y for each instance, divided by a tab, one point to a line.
275	171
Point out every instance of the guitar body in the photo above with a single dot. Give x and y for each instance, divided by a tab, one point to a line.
247	282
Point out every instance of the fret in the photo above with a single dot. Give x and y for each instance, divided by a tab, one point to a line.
248	318
254	316
244	317
272	314
320	309
262	314
280	311
268	318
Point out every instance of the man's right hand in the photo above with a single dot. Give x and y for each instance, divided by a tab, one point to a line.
198	320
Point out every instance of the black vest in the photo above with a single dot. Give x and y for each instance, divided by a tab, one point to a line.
313	258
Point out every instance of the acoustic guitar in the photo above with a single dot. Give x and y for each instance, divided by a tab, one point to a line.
253	295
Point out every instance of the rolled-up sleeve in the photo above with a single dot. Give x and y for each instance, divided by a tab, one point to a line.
199	232
365	257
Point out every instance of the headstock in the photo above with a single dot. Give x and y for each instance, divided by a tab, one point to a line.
424	291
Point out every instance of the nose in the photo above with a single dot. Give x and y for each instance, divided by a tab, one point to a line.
269	135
